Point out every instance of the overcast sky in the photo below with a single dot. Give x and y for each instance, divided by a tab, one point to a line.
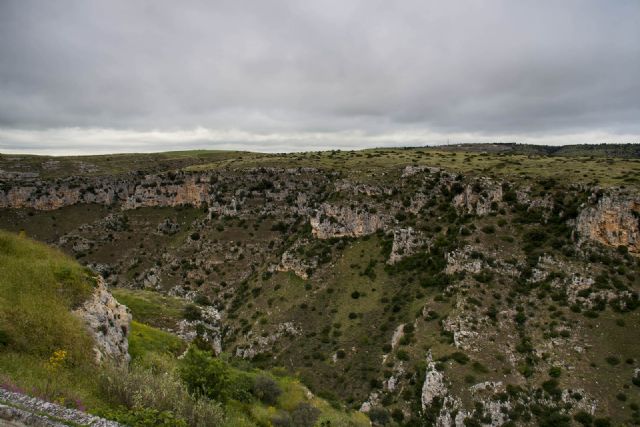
92	76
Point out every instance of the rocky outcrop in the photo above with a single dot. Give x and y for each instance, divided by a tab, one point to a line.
291	261
474	260
108	322
207	327
168	226
433	386
411	170
613	221
343	221
262	344
189	190
406	242
479	198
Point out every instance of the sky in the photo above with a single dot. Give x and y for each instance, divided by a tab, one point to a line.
89	76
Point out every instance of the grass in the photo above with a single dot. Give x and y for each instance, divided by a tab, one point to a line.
112	164
39	287
151	308
369	165
145	339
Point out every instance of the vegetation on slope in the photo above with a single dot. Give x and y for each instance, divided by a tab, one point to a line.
45	351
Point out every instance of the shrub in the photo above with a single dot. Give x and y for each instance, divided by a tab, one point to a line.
379	416
4	338
159	390
266	390
555	371
612	360
241	387
204	375
304	415
281	419
144	417
488	229
459	357
192	312
583	418
402	355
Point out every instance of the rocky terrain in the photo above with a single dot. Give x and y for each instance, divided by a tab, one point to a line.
418	293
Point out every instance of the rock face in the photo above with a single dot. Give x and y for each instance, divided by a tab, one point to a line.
208	328
406	241
613	221
433	385
189	190
291	261
262	344
334	221
479	198
108	321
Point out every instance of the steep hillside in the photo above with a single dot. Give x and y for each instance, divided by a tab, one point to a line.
65	339
419	286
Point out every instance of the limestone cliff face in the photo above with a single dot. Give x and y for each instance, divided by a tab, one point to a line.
613	221
108	321
406	241
154	192
479	198
50	195
341	221
291	261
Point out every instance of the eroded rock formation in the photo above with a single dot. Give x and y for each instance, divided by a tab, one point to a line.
614	221
108	321
340	221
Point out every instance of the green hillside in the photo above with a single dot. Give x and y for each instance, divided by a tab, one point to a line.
45	351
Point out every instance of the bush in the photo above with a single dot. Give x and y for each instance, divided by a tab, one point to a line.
459	357
282	419
304	415
612	360
4	338
379	416
160	392
144	417
555	371
266	390
583	418
204	375
192	312
402	355
488	229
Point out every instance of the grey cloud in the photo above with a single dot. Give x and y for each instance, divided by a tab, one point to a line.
487	68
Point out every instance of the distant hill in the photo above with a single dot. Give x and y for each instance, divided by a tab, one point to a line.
625	151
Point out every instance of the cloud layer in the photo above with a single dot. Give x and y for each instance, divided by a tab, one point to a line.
281	74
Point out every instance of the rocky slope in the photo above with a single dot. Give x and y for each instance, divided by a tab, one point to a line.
420	296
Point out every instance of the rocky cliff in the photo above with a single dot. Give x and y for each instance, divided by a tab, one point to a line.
108	321
613	220
341	221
